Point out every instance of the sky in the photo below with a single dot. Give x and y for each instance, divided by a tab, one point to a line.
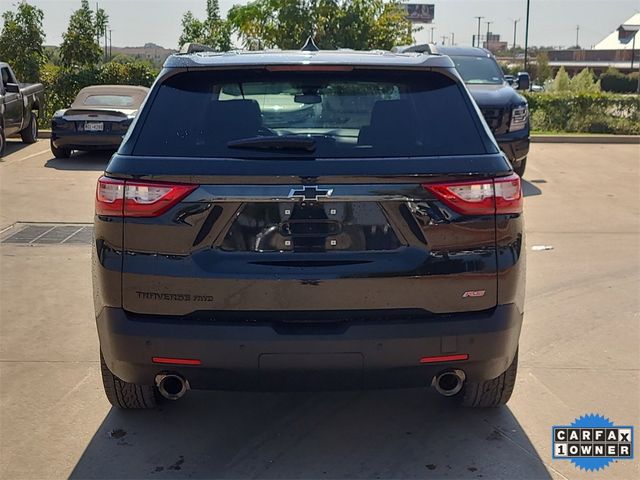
552	22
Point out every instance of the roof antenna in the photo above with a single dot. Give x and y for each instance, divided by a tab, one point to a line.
310	45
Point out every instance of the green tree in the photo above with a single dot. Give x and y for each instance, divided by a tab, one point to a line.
358	24
543	70
79	46
584	82
21	41
213	31
561	82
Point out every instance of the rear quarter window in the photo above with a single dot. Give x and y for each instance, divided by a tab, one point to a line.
357	114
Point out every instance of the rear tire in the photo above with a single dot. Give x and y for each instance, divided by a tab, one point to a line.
60	152
126	395
30	132
2	142
492	393
521	168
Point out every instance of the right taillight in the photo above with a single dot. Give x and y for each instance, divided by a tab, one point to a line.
129	198
480	197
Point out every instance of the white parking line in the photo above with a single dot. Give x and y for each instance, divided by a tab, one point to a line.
41	235
9	161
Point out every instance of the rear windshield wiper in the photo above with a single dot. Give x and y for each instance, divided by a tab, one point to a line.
284	142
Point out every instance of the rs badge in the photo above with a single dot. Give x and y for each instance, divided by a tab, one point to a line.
474	293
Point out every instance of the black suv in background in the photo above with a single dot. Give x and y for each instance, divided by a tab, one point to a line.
505	111
296	220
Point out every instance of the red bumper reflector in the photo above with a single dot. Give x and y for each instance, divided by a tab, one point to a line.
176	361
445	358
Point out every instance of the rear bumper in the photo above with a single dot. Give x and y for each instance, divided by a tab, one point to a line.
264	357
86	141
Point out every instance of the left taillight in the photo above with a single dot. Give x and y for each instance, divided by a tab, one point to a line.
484	197
128	198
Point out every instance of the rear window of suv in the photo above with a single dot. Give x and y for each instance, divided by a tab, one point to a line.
266	114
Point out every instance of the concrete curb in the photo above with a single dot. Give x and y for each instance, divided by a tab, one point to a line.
610	139
607	139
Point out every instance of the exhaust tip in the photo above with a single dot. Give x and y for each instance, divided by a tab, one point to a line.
171	386
449	382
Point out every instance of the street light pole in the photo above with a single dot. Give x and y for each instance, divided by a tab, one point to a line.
526	37
478	37
453	36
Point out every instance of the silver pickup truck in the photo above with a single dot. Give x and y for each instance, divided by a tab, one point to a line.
19	105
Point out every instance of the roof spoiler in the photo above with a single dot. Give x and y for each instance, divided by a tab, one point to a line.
191	47
430	48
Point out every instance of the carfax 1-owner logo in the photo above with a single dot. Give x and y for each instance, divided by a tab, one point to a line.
592	442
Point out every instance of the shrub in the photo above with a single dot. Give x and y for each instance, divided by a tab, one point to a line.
614	81
584	82
561	82
591	112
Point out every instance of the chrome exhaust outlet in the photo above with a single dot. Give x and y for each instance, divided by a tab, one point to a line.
171	386
449	382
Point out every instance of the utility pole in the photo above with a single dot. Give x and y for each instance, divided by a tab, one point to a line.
633	53
478	37
487	39
577	36
432	29
526	37
515	28
110	45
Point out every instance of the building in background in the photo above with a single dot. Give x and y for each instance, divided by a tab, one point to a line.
619	50
493	43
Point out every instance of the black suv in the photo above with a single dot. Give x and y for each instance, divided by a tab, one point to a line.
304	220
505	111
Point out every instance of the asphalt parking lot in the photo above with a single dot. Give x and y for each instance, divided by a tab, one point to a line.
579	352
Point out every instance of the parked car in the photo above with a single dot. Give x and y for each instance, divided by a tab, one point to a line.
376	243
505	111
98	119
19	106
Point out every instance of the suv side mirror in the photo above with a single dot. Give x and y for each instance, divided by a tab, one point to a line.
524	82
12	88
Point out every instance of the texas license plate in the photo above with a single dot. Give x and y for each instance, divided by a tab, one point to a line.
93	126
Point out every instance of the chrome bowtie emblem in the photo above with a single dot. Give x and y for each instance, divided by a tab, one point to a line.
310	193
